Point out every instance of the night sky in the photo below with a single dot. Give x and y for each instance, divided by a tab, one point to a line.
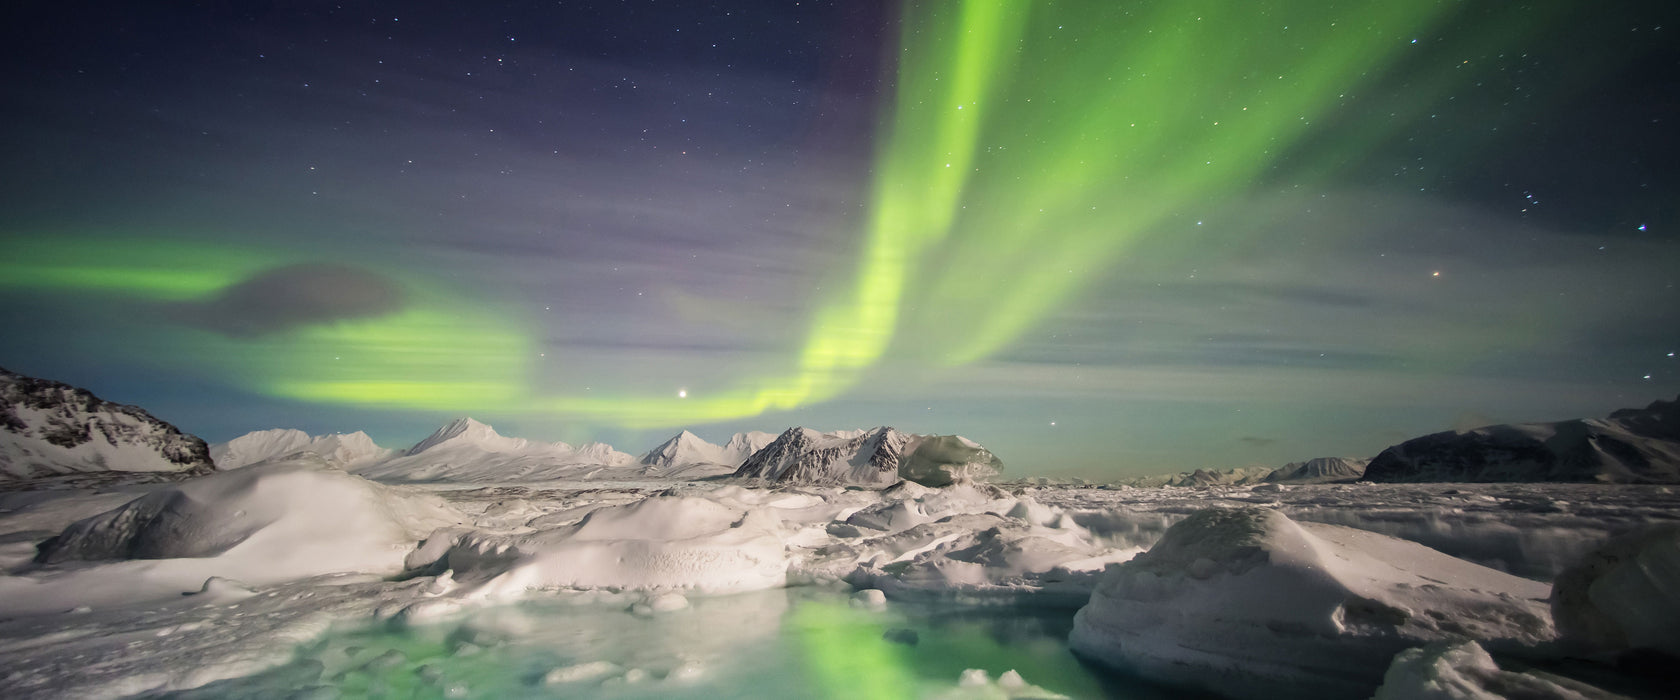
1101	238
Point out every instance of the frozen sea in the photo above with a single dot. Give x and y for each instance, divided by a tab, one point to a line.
649	588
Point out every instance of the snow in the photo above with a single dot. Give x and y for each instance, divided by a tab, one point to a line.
1249	603
259	525
660	543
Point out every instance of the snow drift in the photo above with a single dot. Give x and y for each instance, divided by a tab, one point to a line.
661	543
1248	603
265	523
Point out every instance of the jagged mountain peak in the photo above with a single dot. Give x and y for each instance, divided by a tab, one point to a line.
864	457
49	428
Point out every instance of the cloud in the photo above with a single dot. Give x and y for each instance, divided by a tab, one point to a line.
294	296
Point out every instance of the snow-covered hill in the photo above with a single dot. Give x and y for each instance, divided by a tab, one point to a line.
49	428
341	450
469	451
1631	446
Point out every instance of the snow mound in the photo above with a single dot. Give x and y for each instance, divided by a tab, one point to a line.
49	429
660	543
1631	446
1625	595
341	450
1248	603
1463	670
292	505
262	524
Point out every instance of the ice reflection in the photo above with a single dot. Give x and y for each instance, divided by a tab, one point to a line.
783	643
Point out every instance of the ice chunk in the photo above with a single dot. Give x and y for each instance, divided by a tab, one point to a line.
1625	595
1248	603
660	543
1462	670
943	460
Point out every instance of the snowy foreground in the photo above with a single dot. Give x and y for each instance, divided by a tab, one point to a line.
240	582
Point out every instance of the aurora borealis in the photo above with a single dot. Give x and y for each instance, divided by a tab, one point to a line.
1100	238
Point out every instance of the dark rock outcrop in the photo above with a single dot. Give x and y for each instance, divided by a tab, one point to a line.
1631	446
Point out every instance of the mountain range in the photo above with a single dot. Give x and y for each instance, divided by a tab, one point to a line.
49	429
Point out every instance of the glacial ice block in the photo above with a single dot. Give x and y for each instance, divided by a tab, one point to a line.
1248	603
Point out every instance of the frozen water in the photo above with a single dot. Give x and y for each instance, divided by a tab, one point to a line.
299	578
782	643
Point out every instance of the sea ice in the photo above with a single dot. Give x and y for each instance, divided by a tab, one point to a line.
1462	670
1625	595
1248	603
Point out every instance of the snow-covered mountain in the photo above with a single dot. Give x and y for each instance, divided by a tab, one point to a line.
466	433
684	448
877	457
1635	445
1319	469
744	445
687	449
342	450
469	451
602	453
49	428
803	455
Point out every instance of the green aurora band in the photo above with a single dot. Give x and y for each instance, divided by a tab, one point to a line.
1029	146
